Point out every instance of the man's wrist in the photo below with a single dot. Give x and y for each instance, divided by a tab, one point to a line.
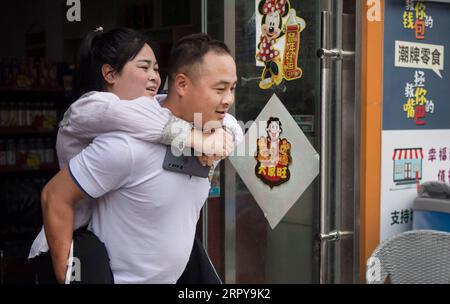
60	269
177	133
195	140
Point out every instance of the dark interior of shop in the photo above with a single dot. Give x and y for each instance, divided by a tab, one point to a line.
37	59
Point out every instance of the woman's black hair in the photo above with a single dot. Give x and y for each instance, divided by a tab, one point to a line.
115	47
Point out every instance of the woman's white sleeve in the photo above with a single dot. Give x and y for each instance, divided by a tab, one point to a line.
141	118
231	124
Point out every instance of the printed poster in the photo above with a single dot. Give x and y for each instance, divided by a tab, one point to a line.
416	107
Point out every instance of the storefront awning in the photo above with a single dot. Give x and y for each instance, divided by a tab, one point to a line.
415	153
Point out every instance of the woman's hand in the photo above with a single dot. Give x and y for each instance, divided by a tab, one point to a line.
217	145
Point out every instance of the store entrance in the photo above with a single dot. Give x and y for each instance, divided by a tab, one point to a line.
316	241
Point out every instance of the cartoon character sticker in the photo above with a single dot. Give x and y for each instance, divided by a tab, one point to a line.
273	155
278	63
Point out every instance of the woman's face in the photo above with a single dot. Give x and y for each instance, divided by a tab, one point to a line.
139	77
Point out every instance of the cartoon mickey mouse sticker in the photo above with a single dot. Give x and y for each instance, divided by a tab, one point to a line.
273	27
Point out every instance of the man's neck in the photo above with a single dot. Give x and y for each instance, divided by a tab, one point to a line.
174	106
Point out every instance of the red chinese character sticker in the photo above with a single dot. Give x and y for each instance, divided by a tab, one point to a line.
273	155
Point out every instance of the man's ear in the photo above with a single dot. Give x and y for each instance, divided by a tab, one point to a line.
108	74
181	83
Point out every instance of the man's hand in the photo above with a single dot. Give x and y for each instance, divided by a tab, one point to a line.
208	160
60	270
218	144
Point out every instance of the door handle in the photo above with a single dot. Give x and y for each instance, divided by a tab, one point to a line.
323	53
334	235
336	54
325	118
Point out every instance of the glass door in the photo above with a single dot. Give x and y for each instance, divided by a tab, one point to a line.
314	242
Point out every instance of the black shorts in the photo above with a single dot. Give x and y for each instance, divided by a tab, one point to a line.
90	263
199	269
94	265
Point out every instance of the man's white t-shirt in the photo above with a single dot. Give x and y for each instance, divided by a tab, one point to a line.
145	215
96	113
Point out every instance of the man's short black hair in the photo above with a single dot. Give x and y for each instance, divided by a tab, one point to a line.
190	50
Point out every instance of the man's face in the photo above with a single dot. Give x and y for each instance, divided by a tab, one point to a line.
211	87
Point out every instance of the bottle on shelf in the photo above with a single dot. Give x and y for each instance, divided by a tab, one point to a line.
33	73
29	115
3	114
12	115
49	116
33	161
53	115
11	153
40	149
2	153
49	152
21	115
22	153
38	115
